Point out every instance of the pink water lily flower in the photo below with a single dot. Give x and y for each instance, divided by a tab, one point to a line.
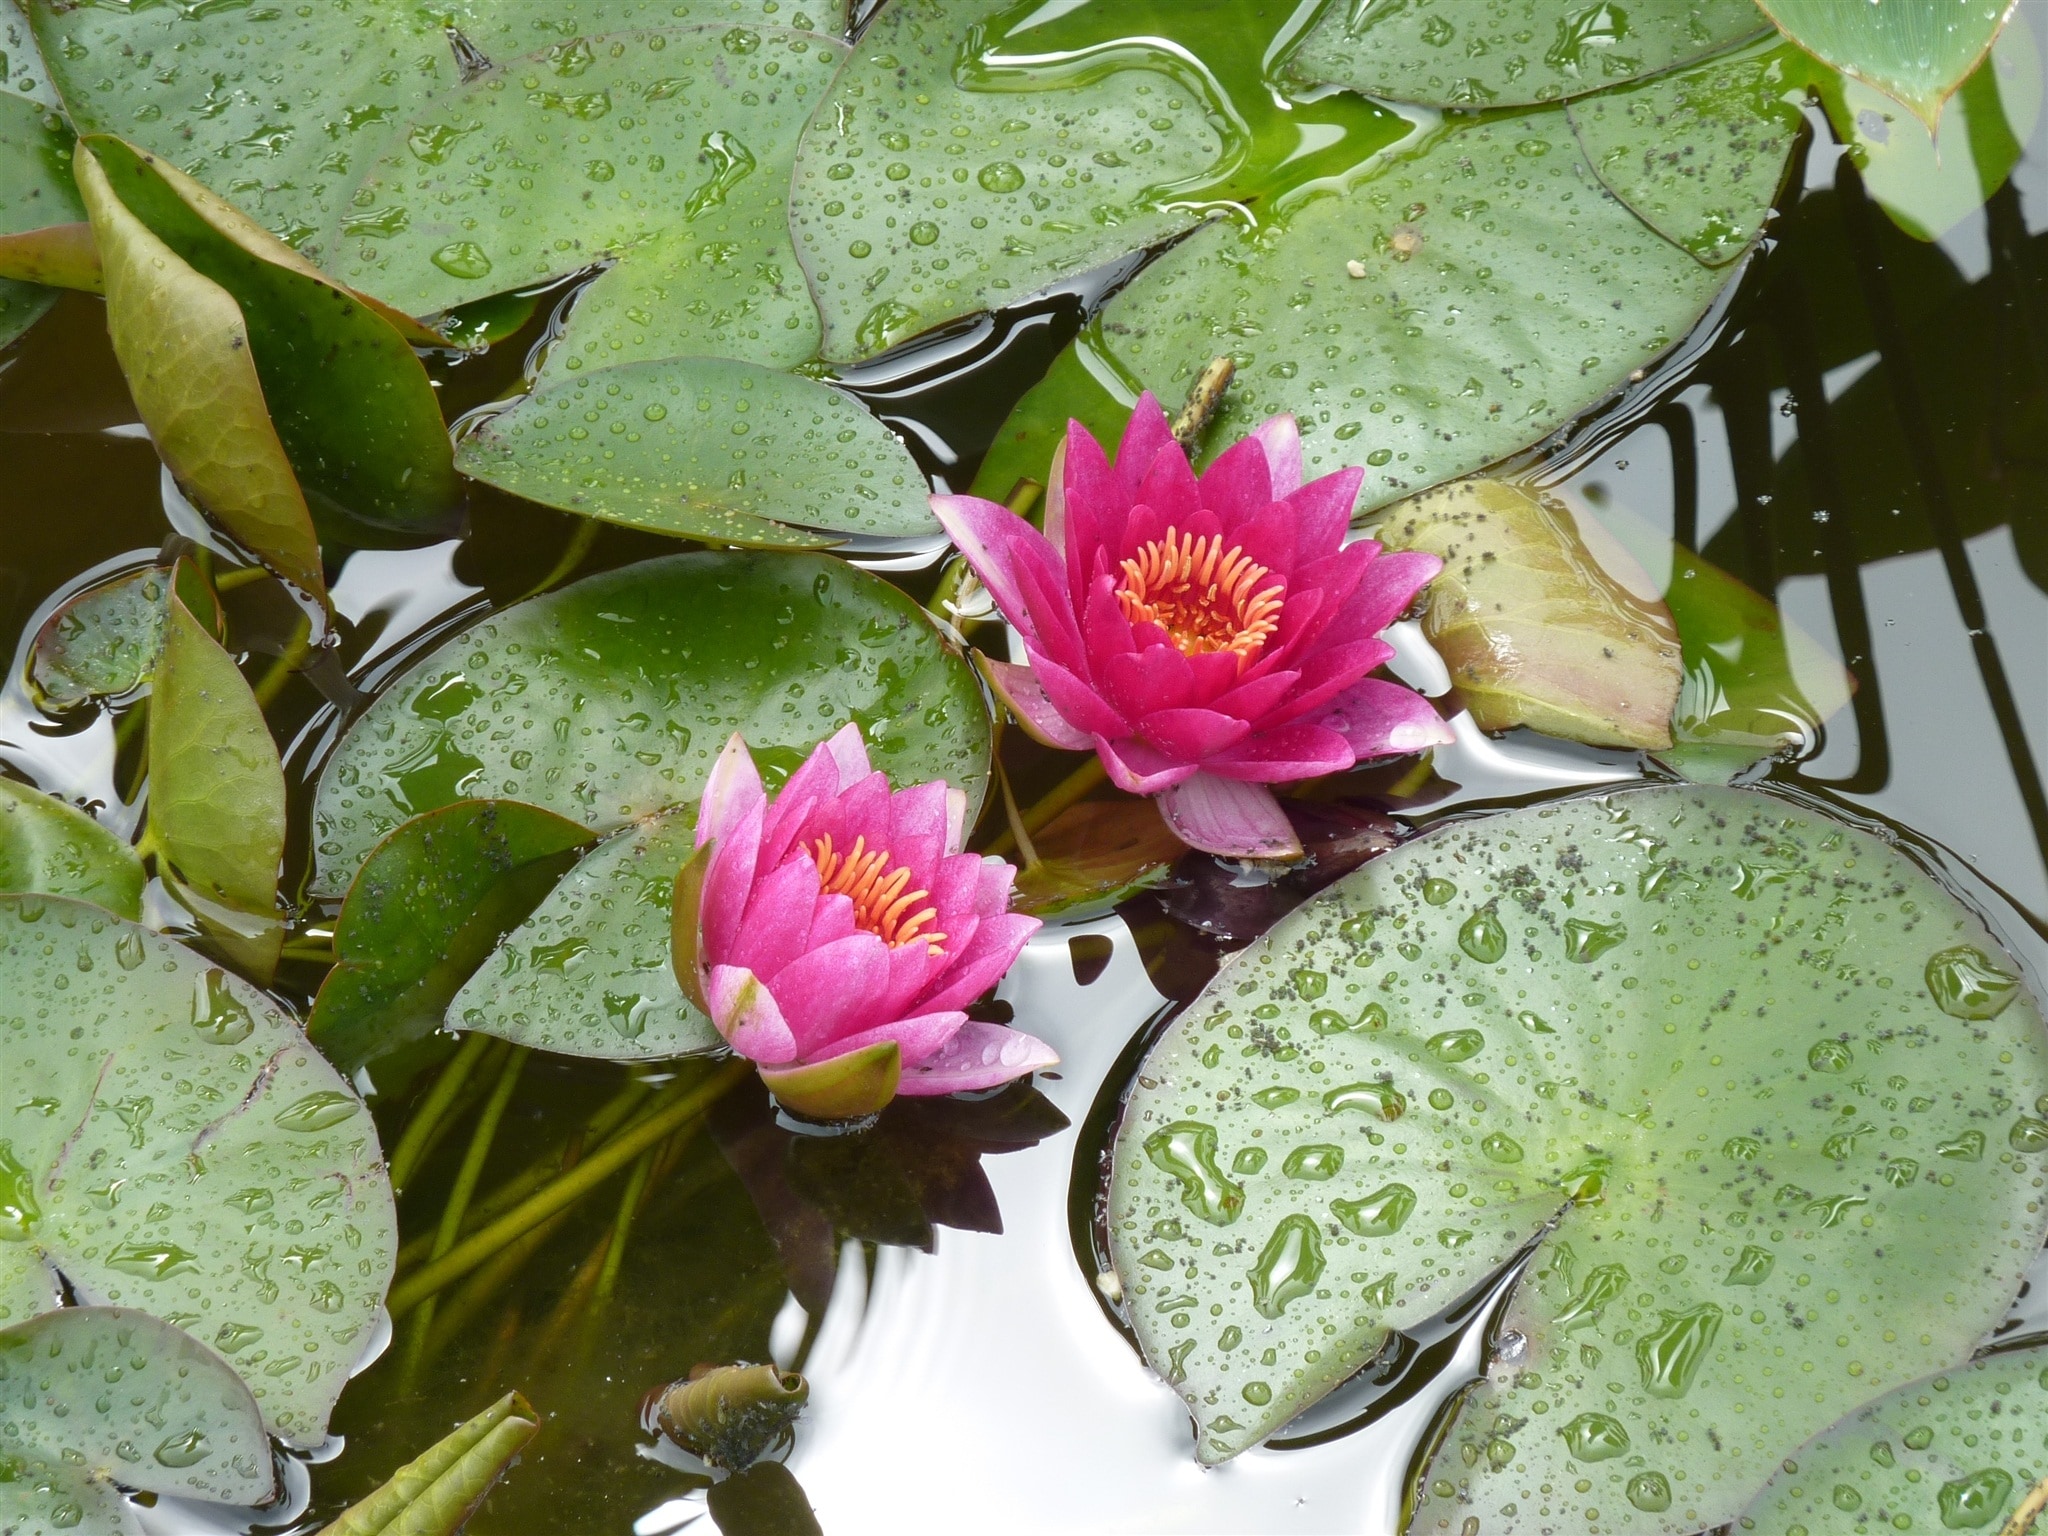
1205	636
837	934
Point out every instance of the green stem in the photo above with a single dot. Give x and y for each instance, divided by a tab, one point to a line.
564	1191
1019	835
629	1207
577	550
1074	787
515	1189
296	650
412	1145
227	581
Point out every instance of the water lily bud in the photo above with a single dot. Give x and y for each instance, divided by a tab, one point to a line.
730	1415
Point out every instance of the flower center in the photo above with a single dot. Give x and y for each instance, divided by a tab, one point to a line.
1207	598
881	905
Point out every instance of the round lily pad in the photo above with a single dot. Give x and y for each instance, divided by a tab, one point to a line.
170	1141
609	700
92	1396
1954	1452
104	642
1751	1076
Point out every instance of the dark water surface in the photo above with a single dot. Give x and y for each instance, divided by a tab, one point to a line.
1861	429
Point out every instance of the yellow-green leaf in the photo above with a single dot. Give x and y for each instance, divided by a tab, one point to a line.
435	1494
1915	51
49	846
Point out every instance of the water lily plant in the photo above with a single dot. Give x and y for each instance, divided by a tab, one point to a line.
1206	636
837	934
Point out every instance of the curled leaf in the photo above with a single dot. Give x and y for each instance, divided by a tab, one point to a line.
61	256
731	1415
437	1492
102	643
46	845
1534	631
849	1087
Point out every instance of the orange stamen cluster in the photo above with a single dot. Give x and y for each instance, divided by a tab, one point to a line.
1207	598
881	905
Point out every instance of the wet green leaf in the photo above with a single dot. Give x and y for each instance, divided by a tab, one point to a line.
92	1396
173	1143
1920	1458
183	345
589	974
1535	632
280	108
610	699
669	150
950	172
431	902
1915	51
1504	291
216	787
1699	153
1745	1057
35	191
435	1494
386	458
1928	191
47	845
705	448
102	643
23	74
1507	53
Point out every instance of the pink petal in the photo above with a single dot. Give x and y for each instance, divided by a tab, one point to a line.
1053	628
1146	435
1322	508
1095	505
777	925
985	534
1239	484
1019	689
953	892
1224	816
915	833
913	968
733	789
728	882
832	991
917	1039
1107	632
991	954
1192	735
1285	753
1139	769
956	819
1255	699
1280	436
746	1014
979	1056
1077	702
1157	677
1390	585
1380	719
1325	673
850	753
1214	673
992	885
1170	488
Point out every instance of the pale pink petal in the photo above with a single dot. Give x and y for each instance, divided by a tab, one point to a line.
1139	769
1190	735
984	532
1224	816
1280	436
746	1014
1019	689
978	1056
992	952
832	990
732	790
956	819
917	1039
849	751
1382	719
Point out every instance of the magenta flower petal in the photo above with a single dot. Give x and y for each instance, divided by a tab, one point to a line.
917	1039
1146	435
1229	817
1082	706
831	991
978	1056
728	880
1194	734
1280	436
1139	769
1381	719
1391	583
984	532
1239	483
1169	487
746	1014
1288	752
777	925
1323	508
994	950
1020	690
849	752
1157	677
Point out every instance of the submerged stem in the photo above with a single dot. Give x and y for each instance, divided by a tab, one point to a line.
296	650
573	554
565	1190
1075	786
412	1144
629	1207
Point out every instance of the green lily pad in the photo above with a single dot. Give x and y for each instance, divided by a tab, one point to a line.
1699	154
216	786
1954	1452
183	346
609	700
170	1141
92	1396
48	846
102	643
589	974
282	108
1504	292
435	1493
22	74
35	192
973	153
1533	629
1916	53
1511	53
430	903
705	448
1746	1072
613	141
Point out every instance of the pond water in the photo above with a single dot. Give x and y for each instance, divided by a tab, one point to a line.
1860	430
